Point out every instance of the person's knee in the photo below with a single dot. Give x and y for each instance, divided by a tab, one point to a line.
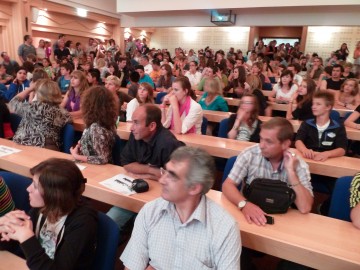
121	216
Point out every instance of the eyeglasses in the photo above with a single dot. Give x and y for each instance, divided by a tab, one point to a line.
172	176
246	102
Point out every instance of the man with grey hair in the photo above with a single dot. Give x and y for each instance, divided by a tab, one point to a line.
184	229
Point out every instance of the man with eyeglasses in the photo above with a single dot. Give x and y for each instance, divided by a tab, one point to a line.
184	229
148	149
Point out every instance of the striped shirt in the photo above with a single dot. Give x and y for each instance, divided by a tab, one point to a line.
355	191
251	164
209	239
6	202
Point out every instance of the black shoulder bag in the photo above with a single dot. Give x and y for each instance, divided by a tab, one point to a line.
272	196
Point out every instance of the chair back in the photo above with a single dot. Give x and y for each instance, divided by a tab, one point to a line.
159	97
117	148
267	86
204	125
68	138
340	199
223	128
335	115
17	185
228	166
107	243
15	120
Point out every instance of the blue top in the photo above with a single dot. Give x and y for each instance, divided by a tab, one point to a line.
64	84
15	89
218	104
146	79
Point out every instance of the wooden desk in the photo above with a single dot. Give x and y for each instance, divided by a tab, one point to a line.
225	148
30	156
283	107
312	240
217	116
10	261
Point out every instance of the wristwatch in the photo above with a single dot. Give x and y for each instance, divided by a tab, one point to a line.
242	204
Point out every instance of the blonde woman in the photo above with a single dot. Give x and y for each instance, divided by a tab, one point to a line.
348	96
43	119
113	84
212	99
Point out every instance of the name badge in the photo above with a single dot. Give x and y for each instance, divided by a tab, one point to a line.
331	134
326	143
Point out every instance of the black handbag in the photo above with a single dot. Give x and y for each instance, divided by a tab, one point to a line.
272	196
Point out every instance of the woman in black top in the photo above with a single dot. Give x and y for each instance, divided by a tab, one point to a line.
60	231
302	109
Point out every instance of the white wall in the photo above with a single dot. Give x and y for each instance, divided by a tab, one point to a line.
324	40
200	37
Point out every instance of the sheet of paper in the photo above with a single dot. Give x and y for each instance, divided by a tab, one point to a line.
119	183
6	150
81	167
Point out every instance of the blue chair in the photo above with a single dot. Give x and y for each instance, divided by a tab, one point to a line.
272	79
107	243
15	120
223	128
228	166
204	125
267	86
335	115
67	135
117	148
340	199
17	185
159	97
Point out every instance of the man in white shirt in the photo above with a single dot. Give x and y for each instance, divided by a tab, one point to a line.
144	61
184	229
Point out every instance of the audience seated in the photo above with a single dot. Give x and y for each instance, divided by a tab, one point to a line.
43	119
212	98
285	90
353	120
18	85
6	202
184	114
334	83
354	201
72	98
193	74
184	209
147	150
348	96
166	79
5	127
245	125
144	95
59	231
100	111
321	138
113	83
302	109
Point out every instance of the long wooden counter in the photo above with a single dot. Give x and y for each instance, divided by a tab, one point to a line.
217	116
310	239
225	148
11	261
283	107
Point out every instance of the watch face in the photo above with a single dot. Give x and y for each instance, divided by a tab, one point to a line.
242	204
